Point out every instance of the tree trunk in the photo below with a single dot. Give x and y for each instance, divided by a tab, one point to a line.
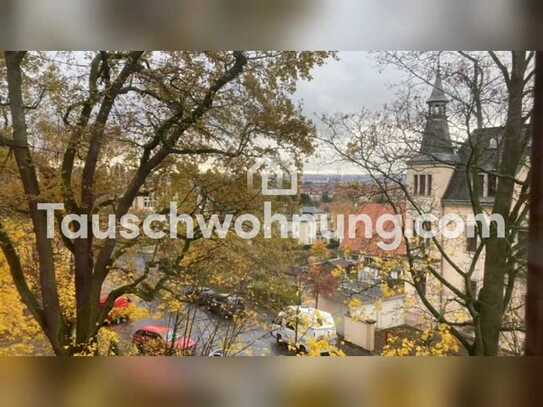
491	297
54	326
534	297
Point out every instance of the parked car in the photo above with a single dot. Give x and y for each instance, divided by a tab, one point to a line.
192	294
119	312
205	296
217	353
296	326
157	340
227	305
199	295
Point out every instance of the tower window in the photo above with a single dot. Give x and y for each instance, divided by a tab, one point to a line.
423	184
437	109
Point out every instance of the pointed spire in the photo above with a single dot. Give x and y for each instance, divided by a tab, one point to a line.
436	139
438	95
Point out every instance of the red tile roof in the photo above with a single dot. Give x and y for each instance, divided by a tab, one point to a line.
361	244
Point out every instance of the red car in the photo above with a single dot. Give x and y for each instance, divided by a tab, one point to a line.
119	311
156	340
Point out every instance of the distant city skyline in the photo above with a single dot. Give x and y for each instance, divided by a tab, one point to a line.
314	177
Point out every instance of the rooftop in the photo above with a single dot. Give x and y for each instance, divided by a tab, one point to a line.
369	246
438	95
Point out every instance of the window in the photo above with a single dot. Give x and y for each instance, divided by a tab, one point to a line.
471	244
492	185
422	283
482	185
488	184
393	279
423	184
147	202
368	275
473	287
415	229
425	226
437	109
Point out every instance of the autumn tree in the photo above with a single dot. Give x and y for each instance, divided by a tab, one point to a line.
68	117
253	268
322	278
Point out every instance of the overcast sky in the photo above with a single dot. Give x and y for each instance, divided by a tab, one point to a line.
348	85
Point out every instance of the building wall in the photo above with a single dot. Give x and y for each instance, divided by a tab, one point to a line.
456	249
387	313
416	312
360	333
441	175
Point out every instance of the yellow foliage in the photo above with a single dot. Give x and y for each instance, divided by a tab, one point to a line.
322	346
338	272
319	250
135	313
20	334
106	344
430	342
107	340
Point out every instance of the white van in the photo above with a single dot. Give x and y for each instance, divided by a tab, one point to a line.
297	325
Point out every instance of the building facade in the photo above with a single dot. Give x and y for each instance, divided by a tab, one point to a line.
443	181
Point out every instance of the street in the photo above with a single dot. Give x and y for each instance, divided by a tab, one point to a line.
209	330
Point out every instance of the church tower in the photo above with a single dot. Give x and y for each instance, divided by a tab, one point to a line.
431	168
436	142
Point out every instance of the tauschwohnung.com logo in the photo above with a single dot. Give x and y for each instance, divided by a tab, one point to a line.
387	228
